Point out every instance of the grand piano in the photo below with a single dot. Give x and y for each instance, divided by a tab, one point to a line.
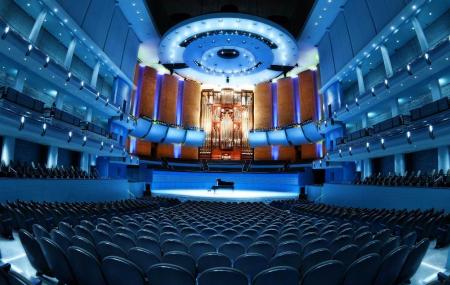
220	184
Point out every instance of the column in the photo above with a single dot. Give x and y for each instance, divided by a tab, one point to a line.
361	85
365	121
367	166
399	164
395	108
443	158
37	26
59	100
84	161
52	156
435	88
69	54
20	80
94	76
190	113
8	149
420	34
386	61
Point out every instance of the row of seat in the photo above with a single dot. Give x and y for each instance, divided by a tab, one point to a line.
32	170
420	179
224	242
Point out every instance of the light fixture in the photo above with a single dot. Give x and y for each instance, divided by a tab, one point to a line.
29	49
383	146
431	131
346	108
408	68
47	62
368	146
97	96
340	152
328	156
320	162
81	85
5	32
408	137
44	129
22	123
372	91
356	101
84	141
69	76
427	58
350	150
386	83
69	138
102	145
107	102
111	148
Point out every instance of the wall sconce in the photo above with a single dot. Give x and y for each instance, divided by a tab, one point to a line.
47	62
386	83
346	108
97	96
82	85
340	152
111	148
44	129
107	102
408	68
320	163
383	146
69	76
408	137
101	145
327	156
350	150
124	152
29	49
372	91
69	139
5	32
431	131
22	123
427	58
356	101
368	146
84	141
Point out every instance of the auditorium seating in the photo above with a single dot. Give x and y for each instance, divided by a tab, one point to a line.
131	242
36	170
420	178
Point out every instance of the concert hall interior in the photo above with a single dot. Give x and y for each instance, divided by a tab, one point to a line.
182	142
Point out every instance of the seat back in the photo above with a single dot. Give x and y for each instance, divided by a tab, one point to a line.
391	266
182	259
124	241
371	247
40	232
363	270
149	244
106	248
173	245
347	254
169	274
262	247
86	268
120	271
315	257
34	252
84	244
200	247
287	258
413	261
100	235
292	245
251	264
143	258
245	240
315	244
61	239
211	260
277	275
222	276
410	239
391	244
329	272
57	261
232	249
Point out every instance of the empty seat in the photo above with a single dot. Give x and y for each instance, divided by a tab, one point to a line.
347	254
100	235
169	274
124	241
149	244
86	268
413	261
57	261
232	249
389	246
120	271
84	232
315	244
363	270
330	272
245	240
66	228
191	238
84	244
222	276
34	253
287	258
143	258
315	257
218	240
198	248
181	259
362	239
290	246
391	266
410	239
173	245
211	260
106	248
277	275
371	247
340	242
262	247
40	232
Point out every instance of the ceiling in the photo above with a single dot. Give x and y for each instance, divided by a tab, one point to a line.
289	14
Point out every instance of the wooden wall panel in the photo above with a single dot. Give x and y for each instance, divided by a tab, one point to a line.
191	104
148	90
287	153
286	104
263	106
143	148
263	153
307	100
308	152
168	99
189	152
164	150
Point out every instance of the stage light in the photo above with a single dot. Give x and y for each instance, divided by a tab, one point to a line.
368	146
408	137
44	129
47	62
102	145
84	140
97	96
427	58
29	49
340	152
350	150
320	162
346	108
431	131
5	32
408	68
386	83
81	85
22	123
382	143
328	156
107	102
372	91
69	76
69	138
111	148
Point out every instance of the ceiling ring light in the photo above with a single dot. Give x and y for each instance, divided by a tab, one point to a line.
221	47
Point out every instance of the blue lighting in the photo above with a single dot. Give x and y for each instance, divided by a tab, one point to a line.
274	105
159	78
177	150
295	82
137	97
180	101
275	152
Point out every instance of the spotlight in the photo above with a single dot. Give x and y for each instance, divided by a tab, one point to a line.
356	101
346	108
107	102
368	146
84	140
29	49
320	162
408	137
5	32
350	150
328	156
382	143
44	129
427	58
372	91
97	96
102	145
82	85
408	68
111	148
69	139
47	62
340	152
430	131
386	83
69	76
22	123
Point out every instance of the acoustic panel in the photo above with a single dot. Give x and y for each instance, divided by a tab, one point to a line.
383	11
340	42
327	69
97	20
360	24
129	57
117	36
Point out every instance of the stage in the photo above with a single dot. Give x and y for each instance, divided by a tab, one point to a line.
238	195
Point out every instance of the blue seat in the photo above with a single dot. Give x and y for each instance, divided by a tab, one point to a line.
410	239
391	244
391	266
100	235
313	258
229	233
329	272
143	258
363	270
218	240
362	239
40	232
371	247
413	261
106	248
57	261
251	264
277	275
173	245
315	244
169	274
124	241
106	228
200	247
329	235
339	242
191	238
86	268
245	240
211	260
84	232
149	244
121	271
66	229
84	244
182	259
290	246
287	258
262	247
347	254
34	253
208	232
61	239
232	249
222	276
